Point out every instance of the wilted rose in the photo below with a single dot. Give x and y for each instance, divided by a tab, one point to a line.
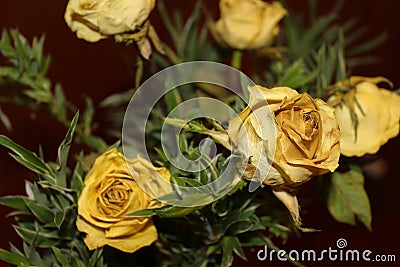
247	24
304	144
127	21
109	194
368	116
93	20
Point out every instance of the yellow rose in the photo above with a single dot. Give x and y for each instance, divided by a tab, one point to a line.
306	139
93	20
377	115
110	192
247	24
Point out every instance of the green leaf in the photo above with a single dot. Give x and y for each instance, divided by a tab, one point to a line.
45	240
347	199
173	99
231	218
189	35
87	116
240	227
60	216
15	202
42	213
63	151
5	45
237	247
172	30
142	213
248	211
94	142
13	258
40	96
77	178
295	75
227	251
59	107
35	193
5	120
20	44
117	99
32	254
368	45
174	211
61	256
25	157
15	250
96	258
211	249
190	182
256	240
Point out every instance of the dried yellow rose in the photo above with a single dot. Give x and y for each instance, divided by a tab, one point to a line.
127	21
306	139
93	20
110	193
247	24
375	112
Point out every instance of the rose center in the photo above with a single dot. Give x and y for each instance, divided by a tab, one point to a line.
310	119
115	197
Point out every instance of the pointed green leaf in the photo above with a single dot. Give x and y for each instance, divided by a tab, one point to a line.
59	218
174	211
96	258
62	257
15	202
44	240
77	177
237	247
15	250
63	151
13	258
117	99
87	116
347	199
42	213
5	45
25	157
227	251
35	193
240	227
32	254
5	120
142	213
59	106
172	30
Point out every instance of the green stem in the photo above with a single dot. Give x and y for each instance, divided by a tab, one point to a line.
139	72
237	59
173	98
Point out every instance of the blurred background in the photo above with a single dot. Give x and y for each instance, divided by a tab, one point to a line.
103	68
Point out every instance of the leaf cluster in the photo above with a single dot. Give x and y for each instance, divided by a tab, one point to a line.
25	83
45	217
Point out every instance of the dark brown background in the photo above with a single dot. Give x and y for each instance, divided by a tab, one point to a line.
102	68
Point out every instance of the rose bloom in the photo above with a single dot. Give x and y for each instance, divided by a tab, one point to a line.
109	194
377	111
293	133
247	24
93	20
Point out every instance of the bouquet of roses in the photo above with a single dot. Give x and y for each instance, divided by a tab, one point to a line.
201	159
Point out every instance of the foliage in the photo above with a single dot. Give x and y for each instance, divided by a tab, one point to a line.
46	216
308	58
